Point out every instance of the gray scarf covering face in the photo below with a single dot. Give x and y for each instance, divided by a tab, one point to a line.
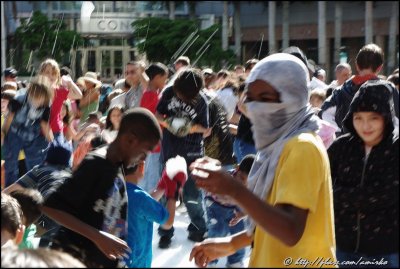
276	123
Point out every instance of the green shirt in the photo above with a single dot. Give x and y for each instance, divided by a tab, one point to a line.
28	239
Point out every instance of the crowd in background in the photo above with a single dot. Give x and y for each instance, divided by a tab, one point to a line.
89	154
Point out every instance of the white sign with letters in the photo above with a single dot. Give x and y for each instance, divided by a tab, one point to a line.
108	25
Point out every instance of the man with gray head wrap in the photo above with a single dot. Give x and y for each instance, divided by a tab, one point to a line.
288	202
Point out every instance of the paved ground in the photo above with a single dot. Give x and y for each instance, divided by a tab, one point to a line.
178	254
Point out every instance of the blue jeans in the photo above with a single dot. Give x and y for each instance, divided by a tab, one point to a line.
377	261
152	172
193	200
218	217
35	153
242	148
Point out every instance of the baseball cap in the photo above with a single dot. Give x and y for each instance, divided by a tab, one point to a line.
10	72
296	51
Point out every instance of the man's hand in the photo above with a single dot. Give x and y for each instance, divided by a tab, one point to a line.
211	249
239	215
209	176
112	246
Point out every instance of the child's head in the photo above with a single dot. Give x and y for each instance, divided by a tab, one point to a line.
51	70
40	92
91	81
158	74
11	220
188	84
114	117
371	114
370	57
249	65
138	134
136	173
239	69
59	152
317	98
80	82
6	97
209	78
30	201
38	258
243	170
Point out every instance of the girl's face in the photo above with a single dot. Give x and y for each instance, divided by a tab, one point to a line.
370	126
50	74
4	104
160	81
316	101
116	117
37	101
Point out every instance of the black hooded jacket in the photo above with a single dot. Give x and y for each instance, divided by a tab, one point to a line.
366	187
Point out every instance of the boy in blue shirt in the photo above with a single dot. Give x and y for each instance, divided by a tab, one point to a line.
144	209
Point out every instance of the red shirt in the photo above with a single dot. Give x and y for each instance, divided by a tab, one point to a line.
150	100
56	123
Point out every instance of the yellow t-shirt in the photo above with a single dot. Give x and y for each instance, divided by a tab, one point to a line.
302	179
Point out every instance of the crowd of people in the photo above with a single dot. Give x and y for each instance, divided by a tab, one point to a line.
267	155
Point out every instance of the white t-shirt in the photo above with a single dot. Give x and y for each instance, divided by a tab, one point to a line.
109	135
228	99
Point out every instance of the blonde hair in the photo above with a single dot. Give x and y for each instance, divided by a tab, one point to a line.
40	87
318	93
54	67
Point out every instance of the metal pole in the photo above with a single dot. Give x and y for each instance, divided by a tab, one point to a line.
3	38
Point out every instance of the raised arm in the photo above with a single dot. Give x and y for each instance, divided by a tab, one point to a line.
74	91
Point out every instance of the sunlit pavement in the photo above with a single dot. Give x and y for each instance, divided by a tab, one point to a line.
177	255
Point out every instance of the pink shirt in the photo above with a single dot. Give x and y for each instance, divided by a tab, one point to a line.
56	123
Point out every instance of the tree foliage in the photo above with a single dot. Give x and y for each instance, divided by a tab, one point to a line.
160	38
39	35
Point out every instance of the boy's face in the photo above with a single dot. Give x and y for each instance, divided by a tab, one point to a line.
160	81
137	149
